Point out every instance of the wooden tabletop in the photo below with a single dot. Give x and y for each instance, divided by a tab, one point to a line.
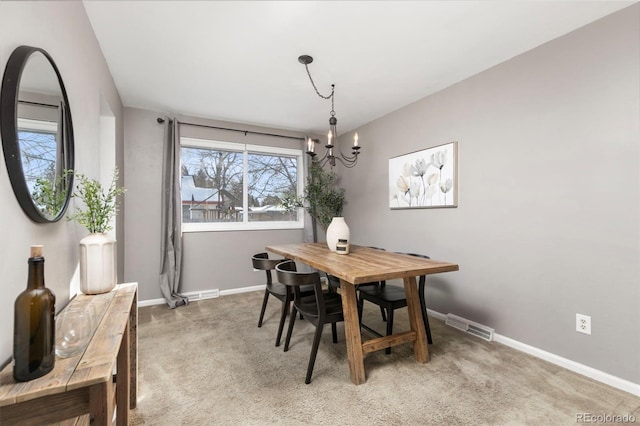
362	264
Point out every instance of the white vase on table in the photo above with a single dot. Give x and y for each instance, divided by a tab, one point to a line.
337	230
98	273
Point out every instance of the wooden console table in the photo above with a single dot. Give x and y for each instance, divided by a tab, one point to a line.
82	388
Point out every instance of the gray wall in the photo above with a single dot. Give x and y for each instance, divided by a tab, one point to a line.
548	218
212	260
63	30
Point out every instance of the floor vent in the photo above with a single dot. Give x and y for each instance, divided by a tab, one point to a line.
210	294
470	327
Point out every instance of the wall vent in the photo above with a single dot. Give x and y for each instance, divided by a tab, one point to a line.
470	327
209	294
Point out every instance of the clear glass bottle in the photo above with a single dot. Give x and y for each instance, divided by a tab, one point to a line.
34	324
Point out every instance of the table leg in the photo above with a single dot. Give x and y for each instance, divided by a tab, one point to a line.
352	332
101	403
420	346
123	380
133	353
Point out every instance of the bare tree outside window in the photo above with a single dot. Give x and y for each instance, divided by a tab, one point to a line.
38	155
270	179
213	182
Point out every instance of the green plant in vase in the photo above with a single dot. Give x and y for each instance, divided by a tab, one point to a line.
98	271
100	206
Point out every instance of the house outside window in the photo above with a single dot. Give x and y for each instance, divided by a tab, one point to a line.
234	186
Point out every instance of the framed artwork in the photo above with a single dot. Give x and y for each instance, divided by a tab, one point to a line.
425	179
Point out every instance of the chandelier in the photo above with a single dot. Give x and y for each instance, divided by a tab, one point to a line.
332	137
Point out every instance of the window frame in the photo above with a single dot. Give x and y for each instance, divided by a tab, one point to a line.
245	149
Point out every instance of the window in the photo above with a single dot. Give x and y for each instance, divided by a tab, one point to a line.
38	148
234	186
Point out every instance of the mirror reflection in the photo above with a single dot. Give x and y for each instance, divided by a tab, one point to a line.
41	134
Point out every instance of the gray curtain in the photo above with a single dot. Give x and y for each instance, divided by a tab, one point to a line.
171	242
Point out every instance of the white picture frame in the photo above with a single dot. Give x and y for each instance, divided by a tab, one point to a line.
425	179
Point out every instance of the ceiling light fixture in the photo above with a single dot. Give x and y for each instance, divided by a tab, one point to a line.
332	137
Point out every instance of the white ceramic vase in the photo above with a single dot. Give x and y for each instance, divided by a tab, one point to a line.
98	273
337	230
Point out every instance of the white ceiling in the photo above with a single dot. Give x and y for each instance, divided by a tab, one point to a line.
237	60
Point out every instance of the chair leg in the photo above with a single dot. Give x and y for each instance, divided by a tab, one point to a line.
334	332
425	317
384	317
283	319
389	327
292	320
314	352
264	307
427	329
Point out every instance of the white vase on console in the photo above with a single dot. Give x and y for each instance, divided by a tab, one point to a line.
98	271
337	230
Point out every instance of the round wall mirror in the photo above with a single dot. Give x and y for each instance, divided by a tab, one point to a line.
37	134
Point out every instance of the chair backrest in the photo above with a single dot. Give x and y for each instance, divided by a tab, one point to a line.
288	275
424	256
261	261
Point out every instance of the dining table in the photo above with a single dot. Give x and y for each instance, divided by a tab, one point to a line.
364	265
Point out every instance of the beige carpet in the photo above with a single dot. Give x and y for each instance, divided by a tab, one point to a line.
209	364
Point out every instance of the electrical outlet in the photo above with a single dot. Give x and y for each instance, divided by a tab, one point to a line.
583	324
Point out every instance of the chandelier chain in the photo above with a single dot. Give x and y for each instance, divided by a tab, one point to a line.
333	113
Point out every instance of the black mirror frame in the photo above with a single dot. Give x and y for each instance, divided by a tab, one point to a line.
9	133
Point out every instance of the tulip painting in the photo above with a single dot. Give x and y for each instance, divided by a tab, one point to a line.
424	179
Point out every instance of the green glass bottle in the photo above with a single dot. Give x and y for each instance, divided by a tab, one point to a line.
34	324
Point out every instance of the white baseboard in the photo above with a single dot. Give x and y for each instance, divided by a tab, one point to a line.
242	290
201	295
151	302
600	376
592	373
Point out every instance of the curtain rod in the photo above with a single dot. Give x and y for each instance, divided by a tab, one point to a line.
161	120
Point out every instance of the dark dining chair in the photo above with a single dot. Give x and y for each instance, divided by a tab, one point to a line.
319	309
390	298
262	262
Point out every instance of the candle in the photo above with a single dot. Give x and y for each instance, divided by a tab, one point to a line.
355	139
309	145
329	136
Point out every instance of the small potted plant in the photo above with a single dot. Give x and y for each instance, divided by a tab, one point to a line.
98	271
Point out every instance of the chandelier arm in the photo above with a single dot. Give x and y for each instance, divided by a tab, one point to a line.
353	156
324	161
348	164
320	160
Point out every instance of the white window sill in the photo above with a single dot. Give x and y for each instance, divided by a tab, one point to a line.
240	226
